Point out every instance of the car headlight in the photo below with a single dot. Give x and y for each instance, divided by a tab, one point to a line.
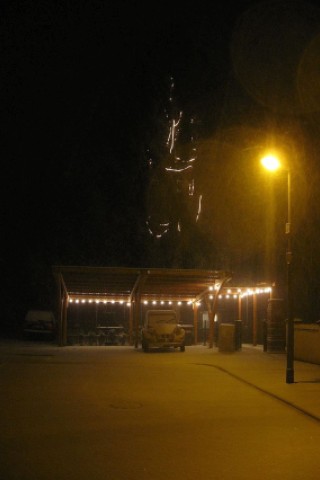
179	331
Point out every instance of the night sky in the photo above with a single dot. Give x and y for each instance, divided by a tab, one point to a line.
83	86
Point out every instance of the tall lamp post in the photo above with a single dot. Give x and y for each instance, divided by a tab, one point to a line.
271	163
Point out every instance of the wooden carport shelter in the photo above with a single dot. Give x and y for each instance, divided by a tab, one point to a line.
134	286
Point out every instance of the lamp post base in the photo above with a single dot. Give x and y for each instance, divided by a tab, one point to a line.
290	375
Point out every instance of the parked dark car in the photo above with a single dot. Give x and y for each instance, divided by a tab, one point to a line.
39	324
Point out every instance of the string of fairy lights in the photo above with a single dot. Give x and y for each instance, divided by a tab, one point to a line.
227	294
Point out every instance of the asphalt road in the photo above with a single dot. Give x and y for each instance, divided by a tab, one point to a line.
117	413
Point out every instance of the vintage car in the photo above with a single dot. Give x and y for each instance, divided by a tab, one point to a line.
162	330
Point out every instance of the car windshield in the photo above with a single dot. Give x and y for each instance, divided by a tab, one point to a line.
162	320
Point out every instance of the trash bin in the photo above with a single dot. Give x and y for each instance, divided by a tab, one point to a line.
226	341
276	326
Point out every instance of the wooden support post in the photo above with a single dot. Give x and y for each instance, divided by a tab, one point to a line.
59	311
135	299
137	308
64	313
254	321
212	312
211	320
131	314
195	323
211	328
239	308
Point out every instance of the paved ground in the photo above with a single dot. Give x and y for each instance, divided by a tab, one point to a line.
118	413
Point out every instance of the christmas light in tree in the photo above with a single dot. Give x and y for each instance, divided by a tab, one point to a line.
173	198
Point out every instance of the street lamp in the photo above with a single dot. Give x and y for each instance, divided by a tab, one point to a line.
270	162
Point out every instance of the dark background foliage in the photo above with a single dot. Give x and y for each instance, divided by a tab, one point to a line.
83	89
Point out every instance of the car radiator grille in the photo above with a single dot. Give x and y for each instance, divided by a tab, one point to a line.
166	337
